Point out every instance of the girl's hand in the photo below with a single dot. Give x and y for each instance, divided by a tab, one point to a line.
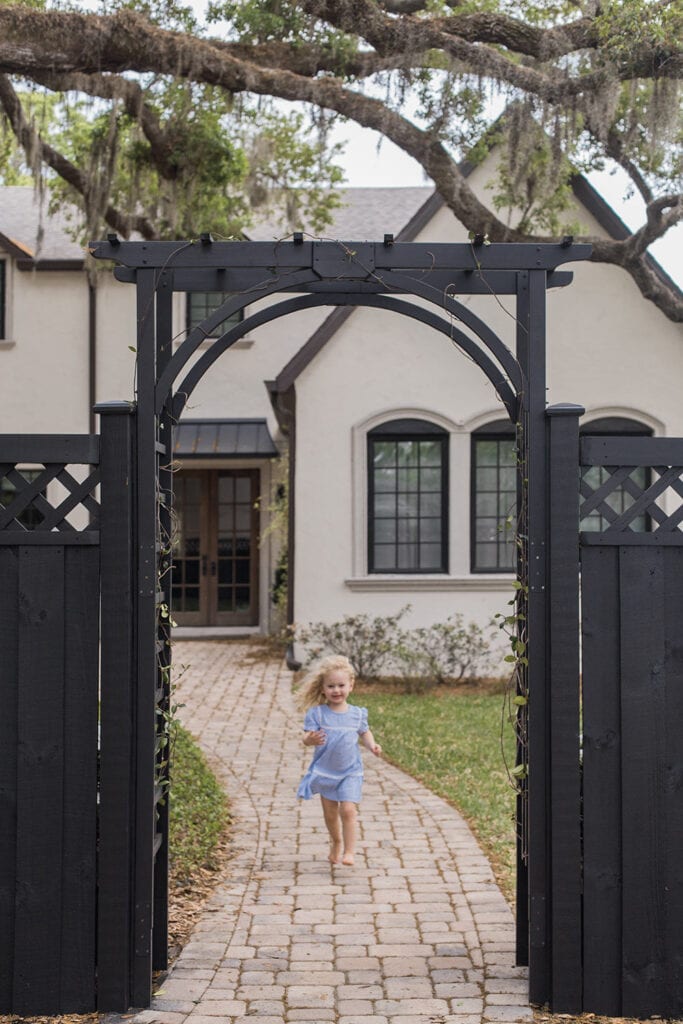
376	749
315	739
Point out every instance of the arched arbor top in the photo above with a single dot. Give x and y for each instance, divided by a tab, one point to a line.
340	270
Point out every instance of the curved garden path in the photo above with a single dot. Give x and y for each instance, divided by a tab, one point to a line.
417	932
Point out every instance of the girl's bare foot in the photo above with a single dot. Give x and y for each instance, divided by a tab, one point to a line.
347	858
335	851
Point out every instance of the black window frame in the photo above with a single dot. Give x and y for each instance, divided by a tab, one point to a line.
409	430
496	430
192	321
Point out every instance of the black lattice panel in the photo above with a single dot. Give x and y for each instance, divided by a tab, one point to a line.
54	500
636	503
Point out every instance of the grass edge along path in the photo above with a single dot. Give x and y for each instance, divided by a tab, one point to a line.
449	738
199	842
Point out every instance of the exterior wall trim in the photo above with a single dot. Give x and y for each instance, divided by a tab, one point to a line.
441	582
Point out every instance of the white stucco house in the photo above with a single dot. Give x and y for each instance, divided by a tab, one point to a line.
400	455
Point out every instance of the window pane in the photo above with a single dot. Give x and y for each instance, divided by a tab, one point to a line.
407	556
508	479
408	479
430	504
384	453
385	530
226	488
385	556
430	479
487	480
243	489
408	505
487	504
487	453
385	479
486	556
430	556
385	504
430	530
407	453
407	530
430	453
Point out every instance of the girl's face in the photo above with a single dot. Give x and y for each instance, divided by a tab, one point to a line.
337	685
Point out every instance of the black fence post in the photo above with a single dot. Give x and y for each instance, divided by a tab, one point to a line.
117	706
532	358
146	584
164	341
564	686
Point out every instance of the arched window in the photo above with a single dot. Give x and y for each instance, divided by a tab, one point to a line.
494	498
407	497
620	499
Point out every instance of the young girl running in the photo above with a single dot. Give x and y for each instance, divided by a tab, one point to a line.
333	726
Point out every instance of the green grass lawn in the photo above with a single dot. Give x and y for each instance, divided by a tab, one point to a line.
198	812
450	739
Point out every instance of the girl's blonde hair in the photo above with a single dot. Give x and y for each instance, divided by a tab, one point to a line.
310	692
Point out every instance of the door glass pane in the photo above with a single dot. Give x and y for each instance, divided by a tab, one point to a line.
226	488
243	489
187	547
234	540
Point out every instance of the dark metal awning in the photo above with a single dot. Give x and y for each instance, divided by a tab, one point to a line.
221	439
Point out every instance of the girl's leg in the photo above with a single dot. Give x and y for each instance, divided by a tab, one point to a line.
333	823
349	815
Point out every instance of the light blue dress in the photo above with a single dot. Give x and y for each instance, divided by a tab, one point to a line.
336	771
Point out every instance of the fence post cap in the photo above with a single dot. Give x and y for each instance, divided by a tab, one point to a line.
565	409
109	408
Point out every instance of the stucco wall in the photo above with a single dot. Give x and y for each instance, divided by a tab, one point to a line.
608	349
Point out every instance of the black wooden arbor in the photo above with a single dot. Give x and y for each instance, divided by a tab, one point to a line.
581	869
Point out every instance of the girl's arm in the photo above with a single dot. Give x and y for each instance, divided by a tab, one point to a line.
368	741
314	739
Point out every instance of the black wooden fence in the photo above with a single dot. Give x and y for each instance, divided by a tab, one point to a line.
75	929
49	616
632	594
615	917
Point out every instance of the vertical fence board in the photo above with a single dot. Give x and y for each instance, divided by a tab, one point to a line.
643	703
81	599
39	780
9	631
601	780
673	779
563	673
117	545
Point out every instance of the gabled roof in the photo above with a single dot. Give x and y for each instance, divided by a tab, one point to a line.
28	233
365	214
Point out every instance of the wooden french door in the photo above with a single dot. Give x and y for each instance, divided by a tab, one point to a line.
215	550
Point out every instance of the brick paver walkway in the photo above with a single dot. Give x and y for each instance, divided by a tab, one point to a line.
417	932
